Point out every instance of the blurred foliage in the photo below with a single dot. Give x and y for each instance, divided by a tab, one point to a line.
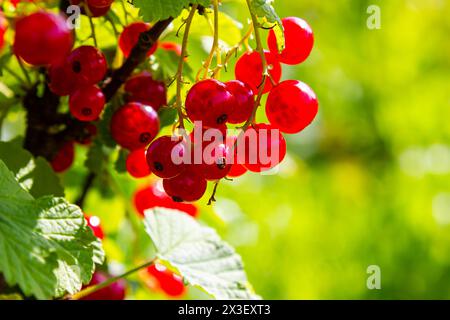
367	184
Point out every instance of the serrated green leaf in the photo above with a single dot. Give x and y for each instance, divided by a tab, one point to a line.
266	13
152	10
33	174
198	254
47	247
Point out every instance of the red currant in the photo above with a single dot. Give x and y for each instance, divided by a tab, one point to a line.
115	291
61	79
265	147
154	196
214	164
64	158
236	169
88	65
210	102
96	12
130	37
245	101
299	41
142	88
137	164
99	3
171	46
87	103
291	106
134	125
3	27
249	69
168	282
94	223
161	156
42	38
186	187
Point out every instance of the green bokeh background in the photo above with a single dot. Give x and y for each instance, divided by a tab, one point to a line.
367	184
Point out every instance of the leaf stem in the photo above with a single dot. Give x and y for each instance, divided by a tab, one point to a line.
89	290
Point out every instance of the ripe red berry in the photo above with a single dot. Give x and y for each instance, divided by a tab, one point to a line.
96	12
130	37
3	27
291	106
115	291
299	41
134	125
88	65
165	155
265	148
236	169
170	283
245	101
249	69
154	196
142	88
170	46
64	158
61	79
186	187
210	102
42	38
94	223
136	164
215	163
87	103
99	3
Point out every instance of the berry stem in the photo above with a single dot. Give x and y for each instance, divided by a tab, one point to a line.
89	290
93	35
213	195
179	75
215	45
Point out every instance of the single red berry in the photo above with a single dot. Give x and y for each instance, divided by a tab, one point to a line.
137	164
64	158
299	41
115	291
236	169
249	69
169	282
99	3
186	187
210	102
265	148
96	12
291	106
155	196
61	79
215	163
134	125
142	88
94	223
245	101
87	103
88	65
130	37
42	38
171	46
165	156
3	28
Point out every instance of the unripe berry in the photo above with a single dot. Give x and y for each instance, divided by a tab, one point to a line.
130	37
291	106
87	103
161	157
142	88
134	125
249	69
244	98
42	38
299	41
136	164
186	187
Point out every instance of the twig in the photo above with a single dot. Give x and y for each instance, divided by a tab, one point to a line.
86	187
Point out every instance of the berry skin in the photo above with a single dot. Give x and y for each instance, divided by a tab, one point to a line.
249	70
186	187
116	291
134	125
136	164
236	169
99	3
130	37
61	79
142	88
210	102
171	46
88	65
299	41
291	106
214	164
265	147
64	158
160	157
3	28
245	101
94	223
87	103
42	38
168	282
154	196
96	12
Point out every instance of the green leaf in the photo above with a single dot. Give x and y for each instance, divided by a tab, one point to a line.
47	249
120	164
4	59
152	10
198	254
264	10
166	66
167	116
34	174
